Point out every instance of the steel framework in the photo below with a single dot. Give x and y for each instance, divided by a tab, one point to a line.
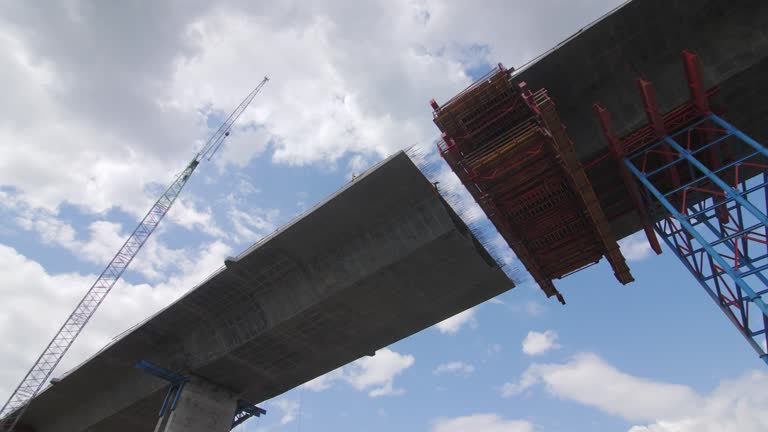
177	381
705	188
41	370
510	149
246	410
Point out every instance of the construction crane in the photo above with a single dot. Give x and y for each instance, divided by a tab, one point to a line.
40	372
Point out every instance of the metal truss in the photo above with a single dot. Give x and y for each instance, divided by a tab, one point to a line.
246	410
41	370
177	381
705	187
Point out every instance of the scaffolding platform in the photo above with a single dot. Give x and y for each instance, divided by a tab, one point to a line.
509	148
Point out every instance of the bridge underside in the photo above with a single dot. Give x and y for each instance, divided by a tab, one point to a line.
382	259
644	39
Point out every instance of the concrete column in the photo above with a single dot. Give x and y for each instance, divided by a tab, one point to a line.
202	407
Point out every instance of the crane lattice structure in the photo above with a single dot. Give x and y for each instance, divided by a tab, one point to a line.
39	373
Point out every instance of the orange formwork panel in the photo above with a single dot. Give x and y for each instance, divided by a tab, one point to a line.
509	148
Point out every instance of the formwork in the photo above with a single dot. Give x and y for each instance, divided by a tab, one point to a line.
508	147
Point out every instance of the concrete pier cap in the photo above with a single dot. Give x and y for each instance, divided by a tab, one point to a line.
202	407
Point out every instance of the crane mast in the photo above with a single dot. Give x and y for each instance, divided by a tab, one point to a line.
41	370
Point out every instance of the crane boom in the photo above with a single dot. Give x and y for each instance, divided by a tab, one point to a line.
37	376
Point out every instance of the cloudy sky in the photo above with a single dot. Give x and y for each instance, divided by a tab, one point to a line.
103	102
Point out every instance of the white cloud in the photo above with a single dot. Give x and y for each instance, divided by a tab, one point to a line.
454	367
363	73
536	343
28	286
187	214
453	324
326	381
348	93
246	187
347	80
610	389
736	405
377	373
494	349
357	164
374	374
635	247
481	422
530	308
289	409
252	224
104	240
534	308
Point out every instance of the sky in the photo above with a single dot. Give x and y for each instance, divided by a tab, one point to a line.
104	102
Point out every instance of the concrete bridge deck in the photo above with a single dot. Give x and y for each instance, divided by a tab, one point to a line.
382	259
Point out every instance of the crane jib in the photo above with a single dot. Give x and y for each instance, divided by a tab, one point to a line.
41	370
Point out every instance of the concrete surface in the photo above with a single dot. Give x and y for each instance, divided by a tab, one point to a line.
357	273
644	38
202	407
382	259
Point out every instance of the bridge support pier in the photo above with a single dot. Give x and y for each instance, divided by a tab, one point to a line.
202	407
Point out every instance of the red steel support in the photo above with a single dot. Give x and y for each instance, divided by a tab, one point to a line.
575	173
651	107
507	146
696	82
617	151
657	124
700	100
434	105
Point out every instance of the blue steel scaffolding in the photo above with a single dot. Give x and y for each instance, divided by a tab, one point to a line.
245	410
705	189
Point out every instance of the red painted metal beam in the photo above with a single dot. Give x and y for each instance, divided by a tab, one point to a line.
510	150
651	107
695	76
656	122
617	151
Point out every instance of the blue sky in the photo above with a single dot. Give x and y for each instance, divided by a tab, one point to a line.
106	103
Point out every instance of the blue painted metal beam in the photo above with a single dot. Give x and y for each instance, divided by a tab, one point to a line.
161	372
717	252
174	390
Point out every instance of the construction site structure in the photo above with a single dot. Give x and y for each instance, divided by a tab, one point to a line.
507	145
701	184
38	375
692	178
